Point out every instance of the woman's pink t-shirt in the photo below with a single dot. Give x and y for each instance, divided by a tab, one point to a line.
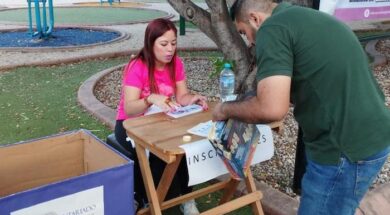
137	76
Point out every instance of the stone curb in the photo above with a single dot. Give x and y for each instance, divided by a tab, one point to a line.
86	99
377	201
274	202
90	57
379	59
68	60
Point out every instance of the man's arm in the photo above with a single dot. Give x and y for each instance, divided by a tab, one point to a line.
271	103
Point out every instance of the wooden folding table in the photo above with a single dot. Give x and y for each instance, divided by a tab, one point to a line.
162	135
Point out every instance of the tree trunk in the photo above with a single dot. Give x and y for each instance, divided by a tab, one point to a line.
230	42
218	26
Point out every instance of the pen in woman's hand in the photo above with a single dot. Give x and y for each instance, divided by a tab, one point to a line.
171	106
173	103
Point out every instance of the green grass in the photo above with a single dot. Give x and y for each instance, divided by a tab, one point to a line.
372	34
208	202
40	101
369	33
85	15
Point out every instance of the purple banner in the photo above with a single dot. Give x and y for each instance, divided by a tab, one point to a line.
351	14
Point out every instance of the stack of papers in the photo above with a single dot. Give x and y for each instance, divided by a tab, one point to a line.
185	110
152	110
179	112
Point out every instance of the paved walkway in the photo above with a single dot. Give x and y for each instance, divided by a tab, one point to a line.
193	40
376	201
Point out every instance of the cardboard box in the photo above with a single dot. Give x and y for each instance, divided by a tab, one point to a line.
66	174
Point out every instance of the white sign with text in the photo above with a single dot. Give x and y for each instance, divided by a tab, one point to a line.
204	164
88	202
353	10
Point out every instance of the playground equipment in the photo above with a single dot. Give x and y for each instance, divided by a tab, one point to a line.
109	1
43	30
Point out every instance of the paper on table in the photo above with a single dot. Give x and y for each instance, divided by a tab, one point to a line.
185	110
179	112
152	110
202	129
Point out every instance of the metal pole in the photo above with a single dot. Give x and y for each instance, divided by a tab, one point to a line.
38	19
182	25
30	18
44	29
51	15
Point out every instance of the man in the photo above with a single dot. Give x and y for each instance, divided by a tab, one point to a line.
317	62
300	158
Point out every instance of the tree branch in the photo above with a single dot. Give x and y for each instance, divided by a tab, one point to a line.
195	14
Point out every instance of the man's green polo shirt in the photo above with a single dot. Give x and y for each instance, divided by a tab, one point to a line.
338	103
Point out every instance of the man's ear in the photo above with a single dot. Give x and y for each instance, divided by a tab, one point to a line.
255	19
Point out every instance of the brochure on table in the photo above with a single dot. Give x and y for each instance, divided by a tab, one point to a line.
177	113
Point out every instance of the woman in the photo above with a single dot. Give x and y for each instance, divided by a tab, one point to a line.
154	77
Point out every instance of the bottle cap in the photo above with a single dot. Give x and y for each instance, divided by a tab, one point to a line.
187	138
227	65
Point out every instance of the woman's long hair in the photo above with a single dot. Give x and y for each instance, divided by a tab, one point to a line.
154	30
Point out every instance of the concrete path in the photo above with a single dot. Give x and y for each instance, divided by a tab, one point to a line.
193	40
375	202
23	3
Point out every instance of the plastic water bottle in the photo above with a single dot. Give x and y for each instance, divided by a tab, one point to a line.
226	83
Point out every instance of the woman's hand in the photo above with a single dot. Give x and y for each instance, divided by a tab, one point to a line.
165	103
200	100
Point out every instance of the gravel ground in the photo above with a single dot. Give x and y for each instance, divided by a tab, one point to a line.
277	172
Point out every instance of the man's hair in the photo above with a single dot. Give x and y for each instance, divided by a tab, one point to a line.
239	9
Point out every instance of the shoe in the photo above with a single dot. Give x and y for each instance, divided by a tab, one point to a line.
189	208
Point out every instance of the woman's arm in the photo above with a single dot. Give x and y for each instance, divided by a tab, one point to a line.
184	97
134	105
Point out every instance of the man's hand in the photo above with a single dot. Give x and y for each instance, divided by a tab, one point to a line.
218	114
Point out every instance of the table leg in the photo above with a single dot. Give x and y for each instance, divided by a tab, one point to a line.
251	187
167	177
229	190
147	177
